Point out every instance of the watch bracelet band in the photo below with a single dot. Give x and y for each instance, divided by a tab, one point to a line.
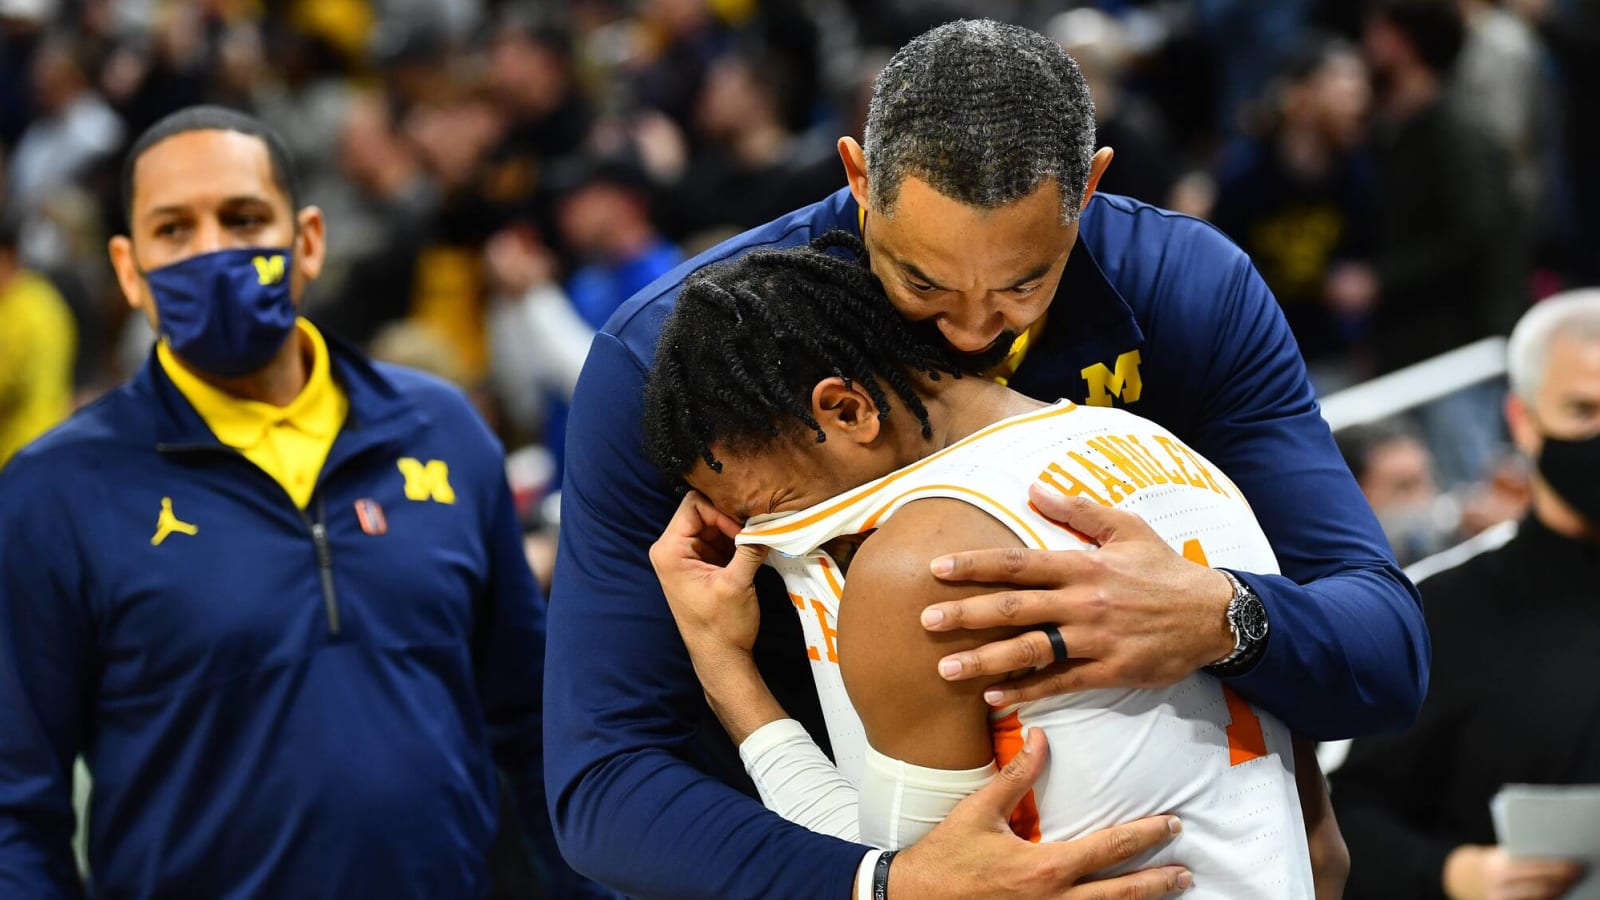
880	875
1244	656
1240	661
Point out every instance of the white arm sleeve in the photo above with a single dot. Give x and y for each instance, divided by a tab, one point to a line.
901	802
796	779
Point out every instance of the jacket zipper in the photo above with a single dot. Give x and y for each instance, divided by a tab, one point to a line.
318	529
319	537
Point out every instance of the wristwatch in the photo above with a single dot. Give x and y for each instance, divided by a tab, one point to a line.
1247	619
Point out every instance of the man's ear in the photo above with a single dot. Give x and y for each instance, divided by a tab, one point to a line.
844	409
855	169
310	245
1097	170
120	249
1520	423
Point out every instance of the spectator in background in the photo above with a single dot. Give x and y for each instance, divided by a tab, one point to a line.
1450	247
1515	620
1298	198
675	42
533	82
1571	31
1449	252
385	202
754	167
604	217
1499	84
1394	470
74	131
37	346
1146	167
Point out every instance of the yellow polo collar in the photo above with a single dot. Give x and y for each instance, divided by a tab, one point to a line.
318	411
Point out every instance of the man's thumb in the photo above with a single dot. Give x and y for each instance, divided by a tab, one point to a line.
1001	796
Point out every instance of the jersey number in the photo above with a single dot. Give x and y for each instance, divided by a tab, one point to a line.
1245	739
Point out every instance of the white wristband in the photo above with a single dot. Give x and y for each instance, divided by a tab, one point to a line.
864	874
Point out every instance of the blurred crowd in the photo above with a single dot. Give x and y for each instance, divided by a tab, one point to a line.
499	177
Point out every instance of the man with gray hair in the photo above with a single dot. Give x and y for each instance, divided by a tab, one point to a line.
975	195
1515	619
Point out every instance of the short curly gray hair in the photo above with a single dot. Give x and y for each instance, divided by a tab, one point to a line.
984	112
1574	314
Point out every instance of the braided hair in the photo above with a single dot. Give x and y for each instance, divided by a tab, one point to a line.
738	358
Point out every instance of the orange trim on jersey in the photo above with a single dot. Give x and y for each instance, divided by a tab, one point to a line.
872	520
1007	736
1245	738
833	580
787	526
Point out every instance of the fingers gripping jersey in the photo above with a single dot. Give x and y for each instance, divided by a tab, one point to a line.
1194	749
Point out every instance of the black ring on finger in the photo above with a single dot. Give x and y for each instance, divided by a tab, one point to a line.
1058	643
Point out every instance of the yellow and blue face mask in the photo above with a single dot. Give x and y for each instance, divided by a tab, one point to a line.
228	312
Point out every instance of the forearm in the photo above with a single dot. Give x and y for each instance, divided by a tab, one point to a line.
1330	857
797	781
648	823
631	807
1347	655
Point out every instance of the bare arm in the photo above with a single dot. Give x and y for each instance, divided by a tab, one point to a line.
1330	858
889	661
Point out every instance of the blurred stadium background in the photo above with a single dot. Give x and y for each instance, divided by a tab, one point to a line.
500	176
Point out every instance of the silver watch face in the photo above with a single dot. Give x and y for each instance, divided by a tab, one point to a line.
1248	617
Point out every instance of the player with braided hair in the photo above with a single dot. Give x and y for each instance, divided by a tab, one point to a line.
804	411
827	307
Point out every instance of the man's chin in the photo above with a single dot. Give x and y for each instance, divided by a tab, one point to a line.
992	355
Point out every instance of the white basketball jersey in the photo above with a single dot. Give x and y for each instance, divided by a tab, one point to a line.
1193	749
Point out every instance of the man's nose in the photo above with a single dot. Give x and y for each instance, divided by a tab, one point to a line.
209	237
973	324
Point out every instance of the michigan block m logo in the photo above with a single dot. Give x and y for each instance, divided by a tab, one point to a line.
427	481
269	269
1122	382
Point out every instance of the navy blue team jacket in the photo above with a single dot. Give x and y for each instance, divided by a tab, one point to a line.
1156	312
280	704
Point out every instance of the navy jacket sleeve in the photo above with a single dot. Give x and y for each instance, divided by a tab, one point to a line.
1348	651
622	700
46	640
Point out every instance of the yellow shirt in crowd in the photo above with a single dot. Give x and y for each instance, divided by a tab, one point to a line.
38	343
289	443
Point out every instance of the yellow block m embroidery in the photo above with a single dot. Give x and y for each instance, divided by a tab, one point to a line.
427	481
269	269
1122	382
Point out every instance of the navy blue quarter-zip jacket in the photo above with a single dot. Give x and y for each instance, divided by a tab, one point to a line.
273	702
1157	312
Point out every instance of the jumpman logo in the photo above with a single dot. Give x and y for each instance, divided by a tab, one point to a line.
169	523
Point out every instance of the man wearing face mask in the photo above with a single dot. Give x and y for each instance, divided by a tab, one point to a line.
1515	619
273	593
